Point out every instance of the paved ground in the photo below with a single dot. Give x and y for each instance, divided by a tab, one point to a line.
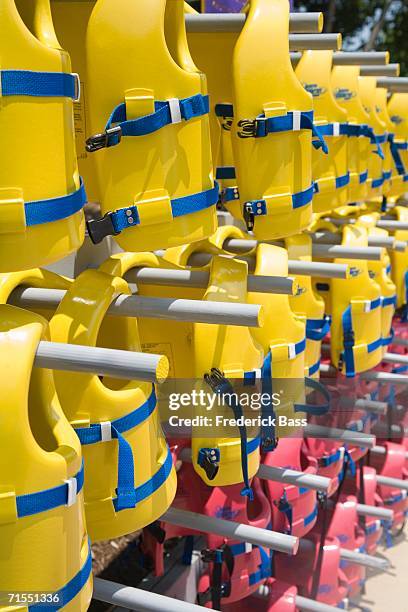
388	592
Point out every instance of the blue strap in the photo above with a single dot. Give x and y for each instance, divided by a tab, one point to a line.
41	501
126	496
38	212
370	529
388	340
188	550
342	181
373	346
330	459
389	301
317	329
387	175
315	409
395	148
285	507
225	173
314	368
310	517
268	430
189	108
265	568
378	182
348	464
65	595
363	177
39	84
147	489
348	342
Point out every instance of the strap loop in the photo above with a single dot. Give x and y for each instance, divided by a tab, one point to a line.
40	84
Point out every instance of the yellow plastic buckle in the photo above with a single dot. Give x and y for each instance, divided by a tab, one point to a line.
12	212
280	352
326	184
154	207
8	508
279	203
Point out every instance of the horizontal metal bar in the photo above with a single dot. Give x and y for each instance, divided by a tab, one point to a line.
400	341
302	42
200	279
385	377
302	603
362	404
379	71
310	23
365	560
395	483
393	84
387	242
344	435
344	252
230	529
356	58
381	450
375	511
392	225
199	311
102	361
138	599
286	476
395	358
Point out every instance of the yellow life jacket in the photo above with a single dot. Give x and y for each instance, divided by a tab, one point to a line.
355	307
41	194
307	303
130	480
345	83
195	350
397	110
146	121
44	543
379	161
266	116
393	180
399	260
380	272
330	172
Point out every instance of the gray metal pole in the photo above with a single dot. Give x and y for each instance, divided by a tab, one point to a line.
394	84
302	42
205	23
131	598
344	252
230	529
103	361
363	404
332	433
365	560
385	377
400	341
392	225
199	311
381	450
302	603
200	279
395	483
392	70
387	242
357	58
375	511
395	358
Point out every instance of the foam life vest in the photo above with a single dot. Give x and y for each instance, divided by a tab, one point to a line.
330	172
265	116
45	547
345	83
294	509
208	357
379	161
41	193
397	106
379	272
130	480
345	527
307	303
392	182
399	260
355	308
147	122
278	597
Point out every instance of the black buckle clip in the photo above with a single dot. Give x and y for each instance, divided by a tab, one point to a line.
348	339
226	123
104	139
249	216
248	128
98	229
209	466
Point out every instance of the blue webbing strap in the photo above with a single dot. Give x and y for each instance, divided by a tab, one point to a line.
264	570
349	338
310	517
113	223
387	175
154	483
268	430
327	460
286	509
259	207
314	368
126	496
219	384
39	84
54	209
363	177
41	501
315	409
342	181
67	593
378	182
118	125
395	148
317	329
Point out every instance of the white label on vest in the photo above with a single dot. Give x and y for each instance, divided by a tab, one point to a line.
248	547
175	112
336	129
292	351
72	491
106	431
296	120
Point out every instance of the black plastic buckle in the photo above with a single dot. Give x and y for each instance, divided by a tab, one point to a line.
249	216
248	128
348	339
226	123
103	140
157	532
210	467
98	229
